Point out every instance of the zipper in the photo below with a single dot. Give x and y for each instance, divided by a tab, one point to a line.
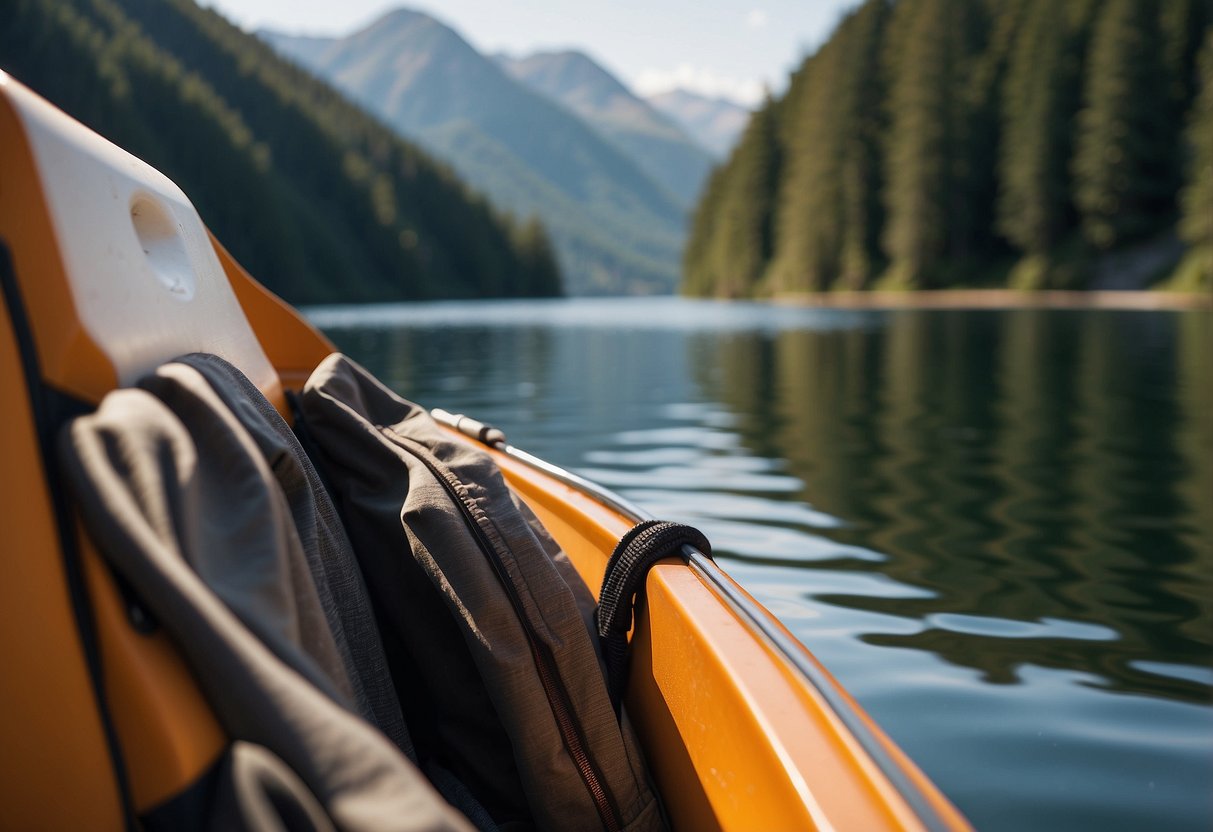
545	663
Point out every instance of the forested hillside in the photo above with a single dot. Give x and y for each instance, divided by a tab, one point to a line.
318	200
933	143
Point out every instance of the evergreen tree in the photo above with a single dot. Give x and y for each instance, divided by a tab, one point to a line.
732	259
942	133
1123	168
1033	201
925	191
829	198
539	277
1184	24
698	275
974	221
806	218
1186	27
1196	226
862	121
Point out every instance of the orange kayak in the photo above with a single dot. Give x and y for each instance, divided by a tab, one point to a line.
108	271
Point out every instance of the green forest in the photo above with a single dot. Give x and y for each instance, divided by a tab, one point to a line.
973	143
318	200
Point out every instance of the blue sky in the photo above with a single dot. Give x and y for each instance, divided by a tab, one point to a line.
722	48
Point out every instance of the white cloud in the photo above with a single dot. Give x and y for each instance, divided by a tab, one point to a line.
756	19
699	79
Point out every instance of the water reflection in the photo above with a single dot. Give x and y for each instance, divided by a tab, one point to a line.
970	516
1022	466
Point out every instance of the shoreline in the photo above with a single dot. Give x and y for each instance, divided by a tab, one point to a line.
999	299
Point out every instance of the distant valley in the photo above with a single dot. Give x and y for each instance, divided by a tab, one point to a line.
552	135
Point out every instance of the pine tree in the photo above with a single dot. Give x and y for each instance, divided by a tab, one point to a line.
807	216
941	133
539	276
730	262
698	276
862	121
1196	225
829	199
1124	185
925	153
993	31
1033	200
1183	24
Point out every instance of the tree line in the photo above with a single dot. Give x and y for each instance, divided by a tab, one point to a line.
934	143
318	200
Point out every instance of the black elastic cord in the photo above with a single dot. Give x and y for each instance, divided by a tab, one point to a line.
642	546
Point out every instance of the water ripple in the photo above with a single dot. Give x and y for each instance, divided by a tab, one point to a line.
677	478
1006	628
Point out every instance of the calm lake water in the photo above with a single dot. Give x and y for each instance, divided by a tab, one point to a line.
995	528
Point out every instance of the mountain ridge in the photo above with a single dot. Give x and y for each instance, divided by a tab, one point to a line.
614	229
661	147
714	122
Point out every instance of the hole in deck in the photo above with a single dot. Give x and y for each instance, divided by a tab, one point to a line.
162	242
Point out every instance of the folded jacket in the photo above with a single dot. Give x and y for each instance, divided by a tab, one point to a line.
178	497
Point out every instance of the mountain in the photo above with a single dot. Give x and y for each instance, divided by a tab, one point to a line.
661	148
304	49
614	229
937	143
313	196
715	123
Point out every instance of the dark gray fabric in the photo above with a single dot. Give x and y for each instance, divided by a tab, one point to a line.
184	507
456	623
248	789
460	796
333	568
259	793
452	717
